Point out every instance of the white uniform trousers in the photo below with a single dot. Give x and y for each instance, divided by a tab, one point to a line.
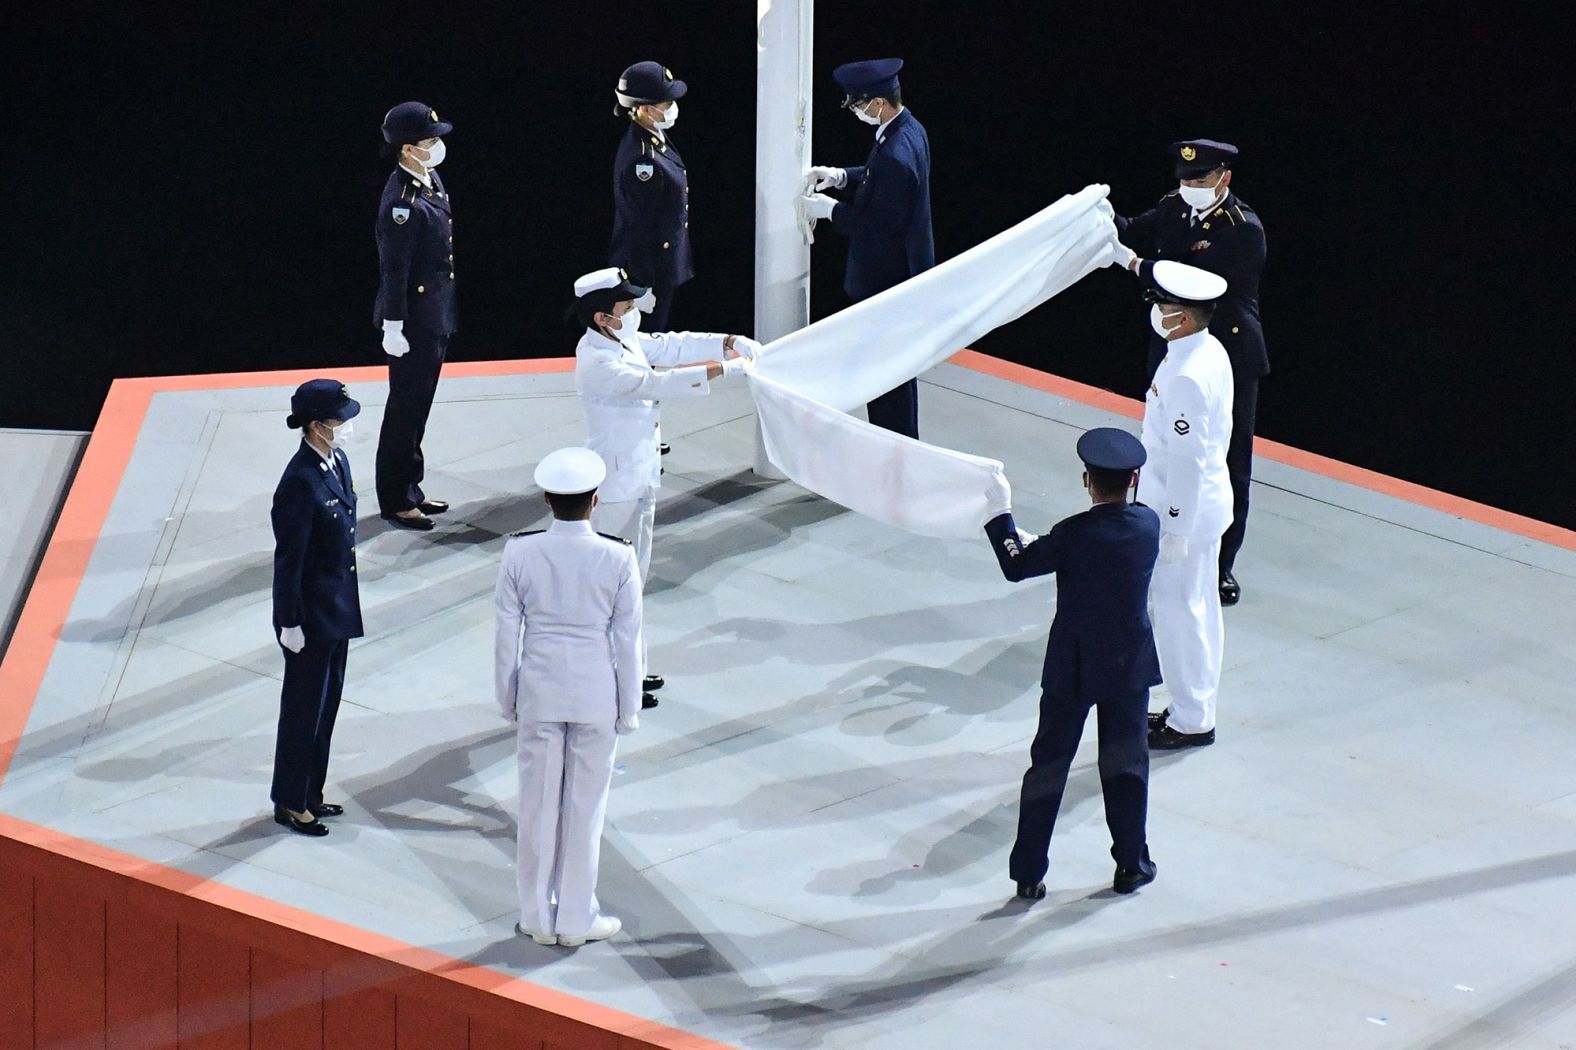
1189	634
632	519
565	771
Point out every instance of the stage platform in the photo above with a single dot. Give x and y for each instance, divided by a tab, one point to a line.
807	841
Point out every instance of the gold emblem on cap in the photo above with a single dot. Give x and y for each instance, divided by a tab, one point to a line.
623	275
667	72
1188	152
434	114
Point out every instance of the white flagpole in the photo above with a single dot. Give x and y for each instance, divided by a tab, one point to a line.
783	48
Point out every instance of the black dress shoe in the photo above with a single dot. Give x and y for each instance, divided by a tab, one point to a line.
1031	891
664	448
1129	879
285	818
653	682
647	701
432	506
1158	718
1167	739
420	523
1230	591
326	809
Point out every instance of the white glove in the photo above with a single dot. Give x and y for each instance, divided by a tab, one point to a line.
647	303
818	206
826	178
998	496
292	638
1173	547
626	726
746	348
1026	538
394	342
1121	255
734	366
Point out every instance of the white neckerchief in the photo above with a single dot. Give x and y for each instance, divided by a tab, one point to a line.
425	178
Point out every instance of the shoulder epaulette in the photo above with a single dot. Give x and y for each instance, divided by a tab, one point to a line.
616	539
527	532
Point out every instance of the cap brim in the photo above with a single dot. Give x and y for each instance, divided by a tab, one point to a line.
677	89
350	409
441	128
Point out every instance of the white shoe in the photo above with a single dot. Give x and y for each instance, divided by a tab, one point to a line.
604	927
539	938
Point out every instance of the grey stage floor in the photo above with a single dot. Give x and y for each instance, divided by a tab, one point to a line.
808	840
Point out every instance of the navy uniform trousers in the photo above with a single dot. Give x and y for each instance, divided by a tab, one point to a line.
413	382
1124	779
308	705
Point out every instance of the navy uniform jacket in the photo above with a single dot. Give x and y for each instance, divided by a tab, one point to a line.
415	233
1228	241
887	221
1101	645
651	210
314	520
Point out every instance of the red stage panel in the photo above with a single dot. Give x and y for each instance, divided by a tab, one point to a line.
68	965
16	960
356	1017
140	977
429	1027
287	1003
215	992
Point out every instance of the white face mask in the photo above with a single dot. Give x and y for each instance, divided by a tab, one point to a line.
630	326
1158	323
669	118
859	111
1200	197
337	436
435	154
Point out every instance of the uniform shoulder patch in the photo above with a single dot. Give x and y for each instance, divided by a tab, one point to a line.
527	532
644	171
401	215
1181	427
615	539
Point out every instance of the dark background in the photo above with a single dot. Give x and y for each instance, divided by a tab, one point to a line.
193	190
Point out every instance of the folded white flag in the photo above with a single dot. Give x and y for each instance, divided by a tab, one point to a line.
806	382
875	345
891	478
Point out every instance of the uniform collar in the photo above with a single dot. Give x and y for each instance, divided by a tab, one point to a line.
1198	215
329	459
570	527
596	333
893	119
1187	342
424	179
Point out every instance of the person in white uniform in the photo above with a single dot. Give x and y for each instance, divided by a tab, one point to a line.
622	375
1187	429
568	663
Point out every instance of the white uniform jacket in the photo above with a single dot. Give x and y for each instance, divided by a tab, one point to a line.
619	393
569	620
1187	426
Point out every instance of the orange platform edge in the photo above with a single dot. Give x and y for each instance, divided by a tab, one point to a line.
100	948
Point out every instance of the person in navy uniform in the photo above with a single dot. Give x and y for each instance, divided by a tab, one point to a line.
886	217
651	237
317	607
415	305
1204	223
1101	654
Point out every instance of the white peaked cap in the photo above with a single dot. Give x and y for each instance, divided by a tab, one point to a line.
1188	284
570	471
